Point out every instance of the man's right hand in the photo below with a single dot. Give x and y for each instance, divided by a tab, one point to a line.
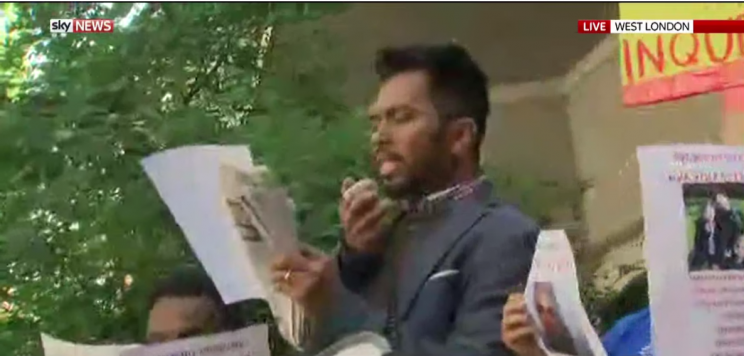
517	329
362	213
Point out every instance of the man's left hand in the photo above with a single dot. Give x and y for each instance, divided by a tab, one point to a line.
307	277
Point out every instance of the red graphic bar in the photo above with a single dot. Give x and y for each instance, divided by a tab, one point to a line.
718	26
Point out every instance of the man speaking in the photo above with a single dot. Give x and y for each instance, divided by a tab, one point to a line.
433	277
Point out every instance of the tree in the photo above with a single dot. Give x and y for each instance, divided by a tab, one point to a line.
78	215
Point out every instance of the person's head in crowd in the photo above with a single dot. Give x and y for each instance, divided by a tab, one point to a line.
547	309
428	118
720	199
185	304
739	248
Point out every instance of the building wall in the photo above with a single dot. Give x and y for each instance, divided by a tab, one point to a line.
529	137
531	134
605	135
576	128
509	48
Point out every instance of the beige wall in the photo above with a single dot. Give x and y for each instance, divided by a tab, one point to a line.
605	136
531	135
509	49
579	129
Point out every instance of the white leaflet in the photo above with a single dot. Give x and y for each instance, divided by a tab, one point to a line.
56	347
553	300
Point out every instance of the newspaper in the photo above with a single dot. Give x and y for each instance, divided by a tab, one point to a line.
250	341
260	212
553	300
693	197
56	347
235	220
264	217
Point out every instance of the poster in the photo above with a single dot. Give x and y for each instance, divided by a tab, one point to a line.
693	198
553	300
234	219
56	347
250	341
662	67
188	181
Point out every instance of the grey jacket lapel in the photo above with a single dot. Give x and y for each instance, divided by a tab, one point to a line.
463	215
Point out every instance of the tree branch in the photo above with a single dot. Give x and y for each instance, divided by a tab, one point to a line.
199	81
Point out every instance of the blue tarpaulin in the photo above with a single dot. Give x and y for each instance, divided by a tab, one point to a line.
630	336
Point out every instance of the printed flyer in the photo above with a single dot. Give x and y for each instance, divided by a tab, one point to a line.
693	198
553	300
250	341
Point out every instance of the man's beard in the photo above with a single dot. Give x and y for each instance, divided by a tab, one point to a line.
428	174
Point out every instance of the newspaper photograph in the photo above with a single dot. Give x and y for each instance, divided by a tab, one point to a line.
553	300
56	347
261	210
250	341
263	216
693	198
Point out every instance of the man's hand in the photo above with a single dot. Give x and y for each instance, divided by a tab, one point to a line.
307	277
517	329
362	214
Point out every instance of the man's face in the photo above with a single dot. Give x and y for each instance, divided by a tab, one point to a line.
546	311
740	247
173	318
409	147
722	201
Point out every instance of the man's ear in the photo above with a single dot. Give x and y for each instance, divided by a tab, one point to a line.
463	132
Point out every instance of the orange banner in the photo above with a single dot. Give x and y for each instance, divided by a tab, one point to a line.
662	67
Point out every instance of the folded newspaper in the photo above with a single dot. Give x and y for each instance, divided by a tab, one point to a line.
553	300
234	219
56	347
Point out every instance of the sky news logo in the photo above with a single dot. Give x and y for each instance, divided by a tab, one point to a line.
81	25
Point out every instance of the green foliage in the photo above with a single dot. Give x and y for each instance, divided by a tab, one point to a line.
607	306
632	298
78	215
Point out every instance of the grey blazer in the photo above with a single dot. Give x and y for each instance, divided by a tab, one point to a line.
451	290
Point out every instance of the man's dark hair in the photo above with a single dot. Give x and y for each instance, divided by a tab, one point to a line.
714	191
191	281
459	88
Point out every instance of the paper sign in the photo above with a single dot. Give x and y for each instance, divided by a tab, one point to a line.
56	347
235	220
663	67
693	196
250	341
188	181
553	300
